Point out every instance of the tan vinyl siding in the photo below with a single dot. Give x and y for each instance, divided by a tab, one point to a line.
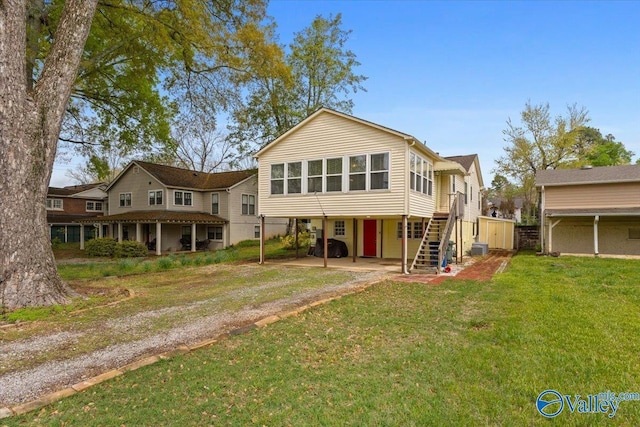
329	136
420	204
242	227
618	195
138	184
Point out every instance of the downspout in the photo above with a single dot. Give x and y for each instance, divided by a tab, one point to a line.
542	219
596	219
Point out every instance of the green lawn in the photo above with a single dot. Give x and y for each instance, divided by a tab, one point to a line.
461	353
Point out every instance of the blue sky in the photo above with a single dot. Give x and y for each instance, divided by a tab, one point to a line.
451	73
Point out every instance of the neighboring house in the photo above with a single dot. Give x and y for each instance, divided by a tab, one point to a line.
500	208
590	210
382	192
173	209
68	205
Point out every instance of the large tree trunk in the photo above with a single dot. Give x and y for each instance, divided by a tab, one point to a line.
30	122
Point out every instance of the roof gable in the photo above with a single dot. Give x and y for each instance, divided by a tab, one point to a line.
171	176
584	176
354	119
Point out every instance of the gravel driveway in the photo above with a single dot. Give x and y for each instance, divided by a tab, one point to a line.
27	384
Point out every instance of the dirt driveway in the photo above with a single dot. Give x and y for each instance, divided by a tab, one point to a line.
198	304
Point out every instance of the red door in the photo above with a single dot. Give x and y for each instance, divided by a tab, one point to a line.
370	243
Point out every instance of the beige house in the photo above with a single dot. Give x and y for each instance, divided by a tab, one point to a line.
382	192
590	210
172	209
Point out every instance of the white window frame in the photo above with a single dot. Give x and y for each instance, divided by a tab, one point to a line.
339	228
256	231
328	175
125	200
93	206
217	204
55	204
365	172
420	175
293	177
248	204
371	172
155	197
213	231
280	179
321	176
183	198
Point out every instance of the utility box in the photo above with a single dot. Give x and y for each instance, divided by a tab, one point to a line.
479	249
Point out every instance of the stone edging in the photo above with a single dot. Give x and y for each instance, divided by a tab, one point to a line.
50	398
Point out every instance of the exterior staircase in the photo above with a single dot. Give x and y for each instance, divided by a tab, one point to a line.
434	241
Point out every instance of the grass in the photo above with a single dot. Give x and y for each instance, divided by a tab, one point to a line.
461	353
91	269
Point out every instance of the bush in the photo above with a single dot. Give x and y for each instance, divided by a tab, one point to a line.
56	242
130	249
289	242
101	247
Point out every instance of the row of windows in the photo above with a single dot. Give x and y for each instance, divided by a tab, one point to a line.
350	173
185	198
57	205
421	175
414	230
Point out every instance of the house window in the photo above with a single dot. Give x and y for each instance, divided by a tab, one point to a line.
429	179
334	174
453	184
54	204
277	178
634	234
125	200
465	192
399	230
182	198
215	203
339	228
294	178
214	232
155	197
248	204
94	206
420	175
357	172
314	176
379	171
417	230
256	231
186	232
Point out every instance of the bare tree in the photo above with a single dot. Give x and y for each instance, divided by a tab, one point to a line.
199	145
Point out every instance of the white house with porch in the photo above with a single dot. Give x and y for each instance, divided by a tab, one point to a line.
382	192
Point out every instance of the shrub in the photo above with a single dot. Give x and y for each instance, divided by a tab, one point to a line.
289	242
101	247
165	263
56	242
129	249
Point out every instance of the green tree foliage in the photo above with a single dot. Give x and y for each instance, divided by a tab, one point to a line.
144	60
317	71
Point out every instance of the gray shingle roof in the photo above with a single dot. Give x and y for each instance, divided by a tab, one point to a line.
595	175
465	161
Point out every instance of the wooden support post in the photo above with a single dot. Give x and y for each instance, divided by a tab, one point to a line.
355	239
262	235
295	230
325	241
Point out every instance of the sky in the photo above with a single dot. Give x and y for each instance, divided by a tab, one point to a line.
451	73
